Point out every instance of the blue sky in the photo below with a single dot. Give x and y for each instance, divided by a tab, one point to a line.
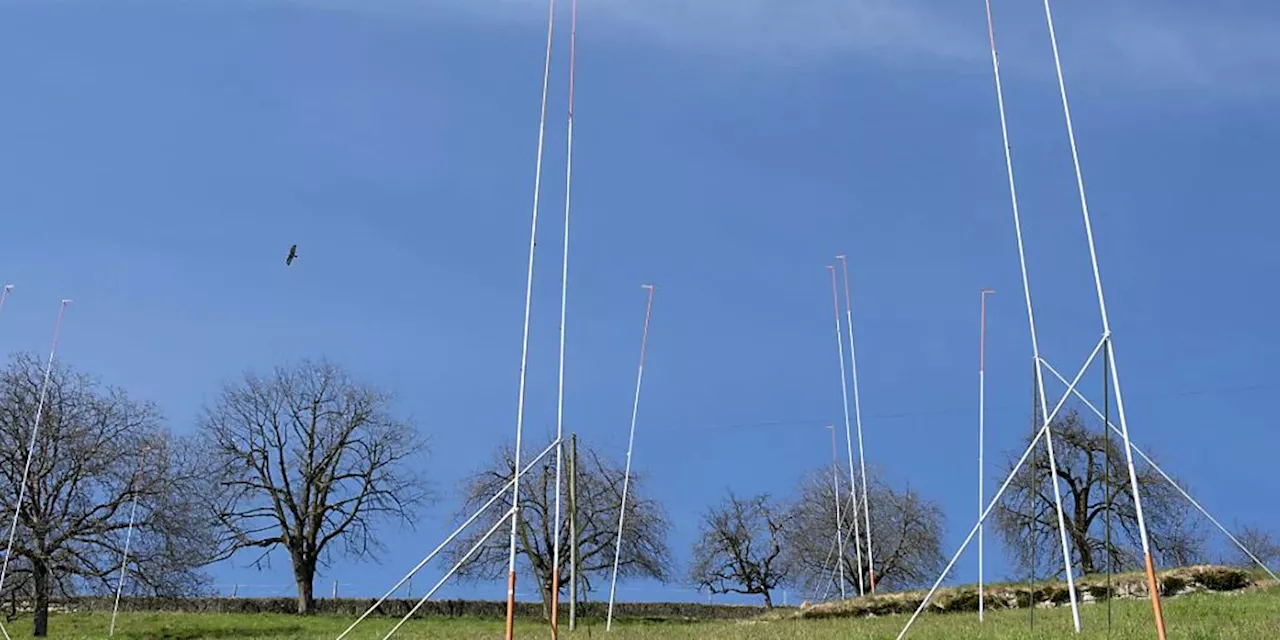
158	159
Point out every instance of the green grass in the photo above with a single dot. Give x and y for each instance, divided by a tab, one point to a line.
1253	614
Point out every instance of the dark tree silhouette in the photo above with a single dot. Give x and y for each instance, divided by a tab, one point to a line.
1095	481
1261	543
305	459
906	535
599	497
87	469
740	547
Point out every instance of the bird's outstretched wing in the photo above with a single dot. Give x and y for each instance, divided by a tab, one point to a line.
293	253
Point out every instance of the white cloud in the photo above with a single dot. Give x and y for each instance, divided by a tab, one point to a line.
1192	51
792	28
1152	43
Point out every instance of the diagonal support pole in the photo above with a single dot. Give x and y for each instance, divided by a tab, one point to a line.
1152	588
456	532
1168	478
1043	432
458	565
1031	318
972	532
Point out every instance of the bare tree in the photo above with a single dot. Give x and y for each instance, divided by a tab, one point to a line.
1095	482
96	451
906	531
740	547
1259	542
308	458
599	497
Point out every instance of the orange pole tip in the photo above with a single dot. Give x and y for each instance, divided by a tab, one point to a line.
1154	588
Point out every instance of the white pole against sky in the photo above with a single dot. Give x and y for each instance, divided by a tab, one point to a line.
1031	321
5	295
128	536
857	419
1042	432
982	419
835	477
848	431
524	342
31	449
1106	334
564	297
626	474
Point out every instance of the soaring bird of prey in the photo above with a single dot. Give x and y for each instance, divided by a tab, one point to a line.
293	253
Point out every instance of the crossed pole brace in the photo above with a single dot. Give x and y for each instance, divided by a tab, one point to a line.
456	532
1041	433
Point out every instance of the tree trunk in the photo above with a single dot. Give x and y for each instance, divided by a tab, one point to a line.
1087	565
1079	533
546	598
768	600
304	573
40	578
1080	529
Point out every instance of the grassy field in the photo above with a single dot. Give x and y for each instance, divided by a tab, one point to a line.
1251	615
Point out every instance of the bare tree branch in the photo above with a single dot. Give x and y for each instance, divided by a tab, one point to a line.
599	497
89	466
906	530
1094	474
307	458
740	547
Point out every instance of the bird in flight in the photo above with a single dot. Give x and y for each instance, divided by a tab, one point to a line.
293	253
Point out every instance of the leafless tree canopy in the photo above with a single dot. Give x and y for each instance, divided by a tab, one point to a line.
88	468
740	547
1261	543
599	497
1095	481
307	459
906	535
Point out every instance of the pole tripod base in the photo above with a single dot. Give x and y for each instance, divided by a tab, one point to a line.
555	603
1154	589
511	606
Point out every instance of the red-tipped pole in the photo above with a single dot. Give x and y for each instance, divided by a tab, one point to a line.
848	429
982	416
857	421
31	449
626	475
564	289
5	296
835	477
524	347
